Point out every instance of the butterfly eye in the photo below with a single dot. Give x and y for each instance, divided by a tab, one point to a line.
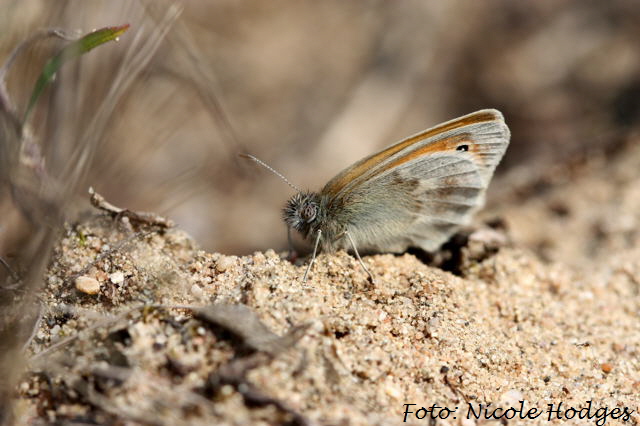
462	148
308	213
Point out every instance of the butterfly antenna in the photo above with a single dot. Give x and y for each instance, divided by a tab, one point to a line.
271	169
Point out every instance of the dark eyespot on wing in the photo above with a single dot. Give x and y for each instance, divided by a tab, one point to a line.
463	147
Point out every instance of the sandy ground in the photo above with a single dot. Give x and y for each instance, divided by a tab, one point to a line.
533	309
139	326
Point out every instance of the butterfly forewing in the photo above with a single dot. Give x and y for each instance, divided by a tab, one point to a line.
443	137
419	191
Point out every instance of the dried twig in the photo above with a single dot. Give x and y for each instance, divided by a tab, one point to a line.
245	324
152	219
70	339
234	374
34	329
14	275
104	323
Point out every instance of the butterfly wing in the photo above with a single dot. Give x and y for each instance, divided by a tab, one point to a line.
420	190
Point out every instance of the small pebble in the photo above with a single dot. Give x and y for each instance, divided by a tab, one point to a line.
434	322
117	277
100	275
259	258
606	367
511	397
271	254
617	347
226	390
224	263
196	290
393	391
87	285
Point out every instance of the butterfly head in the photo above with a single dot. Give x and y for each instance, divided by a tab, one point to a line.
302	212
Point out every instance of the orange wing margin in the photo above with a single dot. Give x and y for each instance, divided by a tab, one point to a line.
352	173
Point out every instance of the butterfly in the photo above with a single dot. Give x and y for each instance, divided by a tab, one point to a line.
415	193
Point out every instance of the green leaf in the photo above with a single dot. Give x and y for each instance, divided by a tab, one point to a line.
71	51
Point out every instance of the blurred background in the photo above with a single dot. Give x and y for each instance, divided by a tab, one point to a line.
310	87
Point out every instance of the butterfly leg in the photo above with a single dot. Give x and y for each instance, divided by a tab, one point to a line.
355	250
289	240
313	256
292	255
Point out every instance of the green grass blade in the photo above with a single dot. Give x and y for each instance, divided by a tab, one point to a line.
71	51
